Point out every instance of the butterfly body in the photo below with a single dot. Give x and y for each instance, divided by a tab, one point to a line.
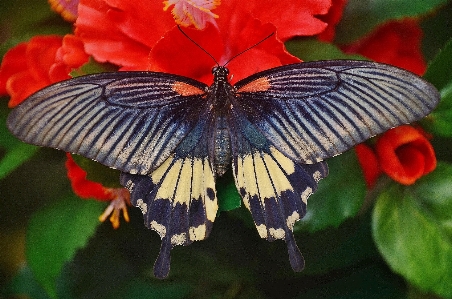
171	136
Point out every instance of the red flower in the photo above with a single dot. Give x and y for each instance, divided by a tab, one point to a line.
369	164
35	64
119	197
122	32
109	29
396	42
405	154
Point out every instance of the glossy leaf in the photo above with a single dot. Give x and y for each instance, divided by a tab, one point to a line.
17	152
411	227
439	74
313	49
339	196
54	235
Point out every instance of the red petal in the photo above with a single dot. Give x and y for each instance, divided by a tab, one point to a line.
25	68
83	187
396	42
292	18
405	154
12	63
223	43
369	164
122	32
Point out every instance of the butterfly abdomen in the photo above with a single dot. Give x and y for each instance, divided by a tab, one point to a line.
222	147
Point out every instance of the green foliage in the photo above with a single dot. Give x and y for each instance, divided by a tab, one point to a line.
56	233
17	152
309	49
440	74
339	196
412	230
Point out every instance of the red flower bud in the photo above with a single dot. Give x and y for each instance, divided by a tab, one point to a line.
405	154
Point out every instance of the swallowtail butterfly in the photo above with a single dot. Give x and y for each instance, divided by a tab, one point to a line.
171	136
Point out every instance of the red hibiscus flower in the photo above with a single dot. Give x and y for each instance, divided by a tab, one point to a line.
33	65
127	35
396	42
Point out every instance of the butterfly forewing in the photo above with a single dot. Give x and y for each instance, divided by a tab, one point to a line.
315	110
131	121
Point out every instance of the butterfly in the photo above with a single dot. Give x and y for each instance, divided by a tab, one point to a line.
172	136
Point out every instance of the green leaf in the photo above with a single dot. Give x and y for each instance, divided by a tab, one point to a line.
228	197
17	152
412	227
339	196
16	157
308	49
361	16
439	122
54	235
439	74
25	284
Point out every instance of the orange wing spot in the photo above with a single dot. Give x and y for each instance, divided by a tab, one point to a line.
185	89
261	84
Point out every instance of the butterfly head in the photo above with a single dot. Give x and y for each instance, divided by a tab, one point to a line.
220	73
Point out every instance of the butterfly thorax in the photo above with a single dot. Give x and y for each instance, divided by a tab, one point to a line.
221	91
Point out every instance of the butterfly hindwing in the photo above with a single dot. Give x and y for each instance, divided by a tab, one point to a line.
273	187
131	121
178	199
316	110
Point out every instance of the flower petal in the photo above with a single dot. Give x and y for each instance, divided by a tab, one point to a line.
395	42
223	43
122	32
369	164
405	154
292	18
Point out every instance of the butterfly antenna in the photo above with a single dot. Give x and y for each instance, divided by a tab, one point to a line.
180	29
256	44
